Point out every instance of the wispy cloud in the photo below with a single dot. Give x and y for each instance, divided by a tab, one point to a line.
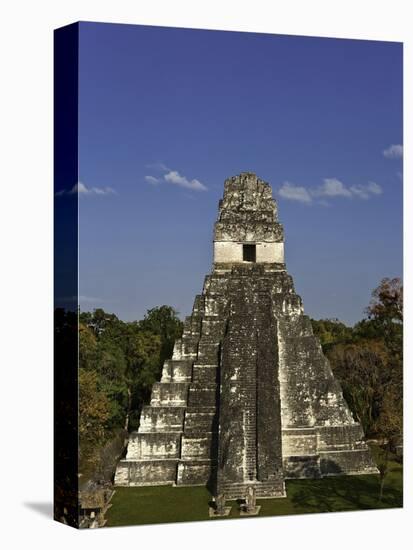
81	189
366	191
293	192
331	188
174	177
152	180
393	152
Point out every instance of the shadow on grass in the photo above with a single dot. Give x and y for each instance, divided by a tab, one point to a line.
344	493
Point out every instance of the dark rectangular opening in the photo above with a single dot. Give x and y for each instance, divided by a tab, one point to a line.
248	253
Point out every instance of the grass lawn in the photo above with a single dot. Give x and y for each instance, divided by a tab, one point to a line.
143	505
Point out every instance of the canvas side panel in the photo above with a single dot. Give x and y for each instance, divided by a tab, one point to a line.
66	54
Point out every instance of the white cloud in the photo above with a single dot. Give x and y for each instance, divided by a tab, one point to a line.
81	189
95	190
152	180
374	188
175	177
102	191
365	191
359	191
294	192
332	187
393	152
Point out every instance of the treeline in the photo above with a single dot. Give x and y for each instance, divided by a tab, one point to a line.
118	364
367	359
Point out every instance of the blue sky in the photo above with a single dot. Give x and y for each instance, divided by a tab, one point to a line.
166	115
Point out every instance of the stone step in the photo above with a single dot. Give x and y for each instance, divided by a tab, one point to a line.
199	305
272	489
205	374
254	483
335	438
192	324
347	462
208	352
177	370
153	445
205	396
212	328
182	350
161	419
200	421
201	409
138	473
195	471
201	446
174	394
301	467
190	344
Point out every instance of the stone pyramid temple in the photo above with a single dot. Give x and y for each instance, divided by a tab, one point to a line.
248	398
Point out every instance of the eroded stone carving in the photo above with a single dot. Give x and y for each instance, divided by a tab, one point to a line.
250	500
220	504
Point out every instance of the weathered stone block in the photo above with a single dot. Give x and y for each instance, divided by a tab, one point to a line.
347	462
146	472
173	394
337	438
198	419
198	446
203	396
205	374
177	371
208	352
298	442
301	467
162	419
190	345
212	328
153	445
194	472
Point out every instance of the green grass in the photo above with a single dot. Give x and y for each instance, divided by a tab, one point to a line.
144	505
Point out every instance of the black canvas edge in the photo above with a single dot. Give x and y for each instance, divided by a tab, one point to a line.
66	298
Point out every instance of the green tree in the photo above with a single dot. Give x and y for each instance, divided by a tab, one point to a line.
164	322
386	304
111	367
144	369
369	362
362	369
87	347
331	332
386	313
94	408
390	425
99	321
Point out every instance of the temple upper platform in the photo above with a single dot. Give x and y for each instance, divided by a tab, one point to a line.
247	229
